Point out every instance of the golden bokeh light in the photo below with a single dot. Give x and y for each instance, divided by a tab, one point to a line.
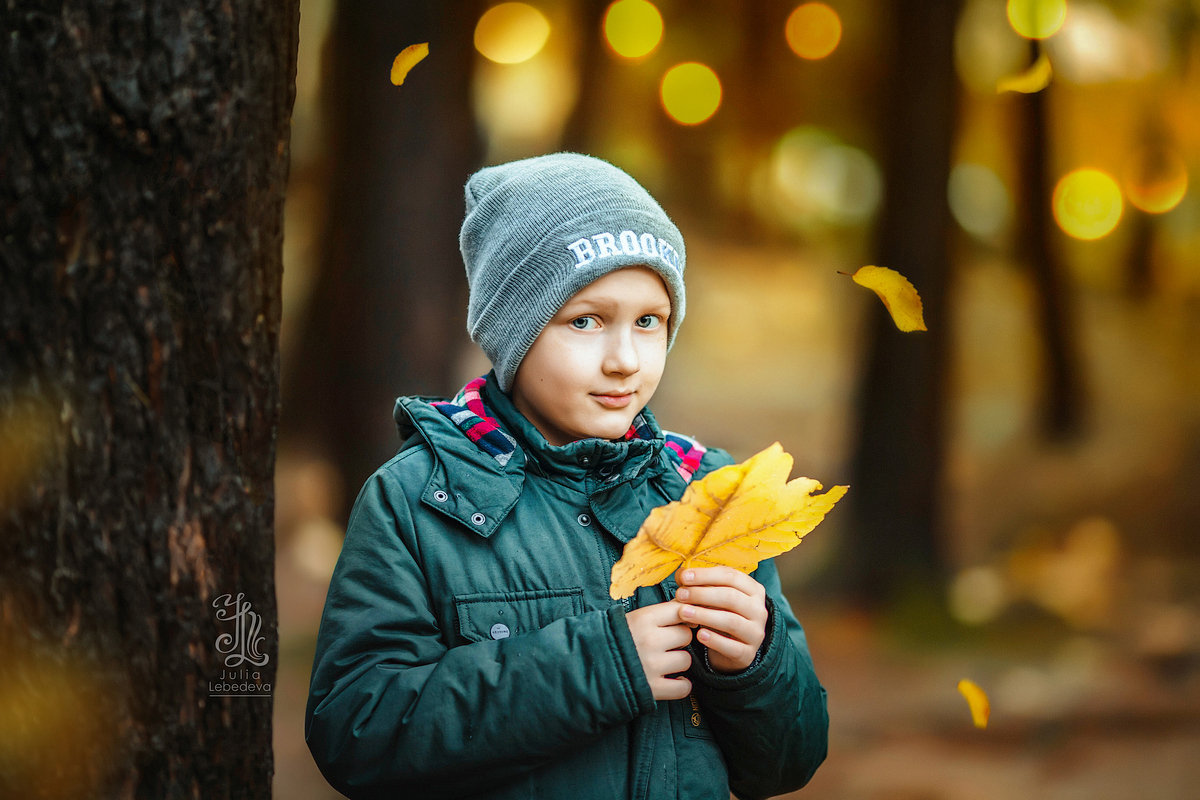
522	107
816	181
633	28
1156	180
50	706
511	33
691	93
28	430
1087	204
979	201
813	30
1037	19
978	595
985	49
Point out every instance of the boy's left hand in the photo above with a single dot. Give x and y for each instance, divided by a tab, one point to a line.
730	609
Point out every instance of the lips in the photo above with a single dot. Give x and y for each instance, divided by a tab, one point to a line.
616	400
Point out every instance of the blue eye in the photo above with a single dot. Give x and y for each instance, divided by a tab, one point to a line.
649	322
583	323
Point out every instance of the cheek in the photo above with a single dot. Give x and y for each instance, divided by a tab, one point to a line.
559	366
573	358
654	357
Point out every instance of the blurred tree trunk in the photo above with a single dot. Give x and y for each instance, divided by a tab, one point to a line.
690	152
895	536
758	117
1158	141
1154	148
387	315
1061	394
580	128
143	159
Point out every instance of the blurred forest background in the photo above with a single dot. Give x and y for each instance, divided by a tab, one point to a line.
1024	501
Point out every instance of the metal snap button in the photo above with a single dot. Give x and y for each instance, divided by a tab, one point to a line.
499	631
440	496
585	460
584	520
478	519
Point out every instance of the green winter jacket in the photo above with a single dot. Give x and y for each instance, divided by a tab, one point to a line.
469	647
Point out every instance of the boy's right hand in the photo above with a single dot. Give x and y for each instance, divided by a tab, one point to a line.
661	641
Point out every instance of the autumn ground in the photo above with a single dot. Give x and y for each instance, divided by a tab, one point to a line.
1077	598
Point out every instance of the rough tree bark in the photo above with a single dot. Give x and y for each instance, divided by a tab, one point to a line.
896	538
143	159
390	301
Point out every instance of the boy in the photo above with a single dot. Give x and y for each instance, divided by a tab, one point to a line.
469	646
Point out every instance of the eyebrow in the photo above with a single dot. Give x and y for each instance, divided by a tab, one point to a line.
607	302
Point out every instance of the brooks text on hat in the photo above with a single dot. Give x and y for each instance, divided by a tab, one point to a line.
627	243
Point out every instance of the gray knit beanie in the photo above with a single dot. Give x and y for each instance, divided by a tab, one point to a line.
539	230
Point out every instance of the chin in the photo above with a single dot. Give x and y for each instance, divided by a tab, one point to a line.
615	431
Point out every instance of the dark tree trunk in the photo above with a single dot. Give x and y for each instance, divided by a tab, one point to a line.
759	117
895	539
1061	394
580	129
1155	144
143	158
387	315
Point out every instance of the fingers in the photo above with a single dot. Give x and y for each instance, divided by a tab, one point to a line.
727	654
723	598
668	662
658	626
747	628
674	636
671	688
720	576
730	609
725	590
661	642
661	614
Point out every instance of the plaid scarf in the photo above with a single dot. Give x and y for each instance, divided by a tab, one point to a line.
467	411
687	450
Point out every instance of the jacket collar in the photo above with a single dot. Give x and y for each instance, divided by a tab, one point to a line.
465	483
603	461
472	486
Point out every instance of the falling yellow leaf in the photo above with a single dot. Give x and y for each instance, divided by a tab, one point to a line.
898	295
977	699
1032	80
735	516
408	58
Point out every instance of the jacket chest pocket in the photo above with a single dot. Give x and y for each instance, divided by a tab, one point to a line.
499	615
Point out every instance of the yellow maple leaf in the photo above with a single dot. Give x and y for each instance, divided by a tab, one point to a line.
1033	79
899	296
977	699
408	58
735	516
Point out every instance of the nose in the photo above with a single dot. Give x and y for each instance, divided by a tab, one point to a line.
621	356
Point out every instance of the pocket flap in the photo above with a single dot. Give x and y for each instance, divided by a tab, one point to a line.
499	615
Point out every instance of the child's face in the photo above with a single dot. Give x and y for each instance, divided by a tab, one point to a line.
599	360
